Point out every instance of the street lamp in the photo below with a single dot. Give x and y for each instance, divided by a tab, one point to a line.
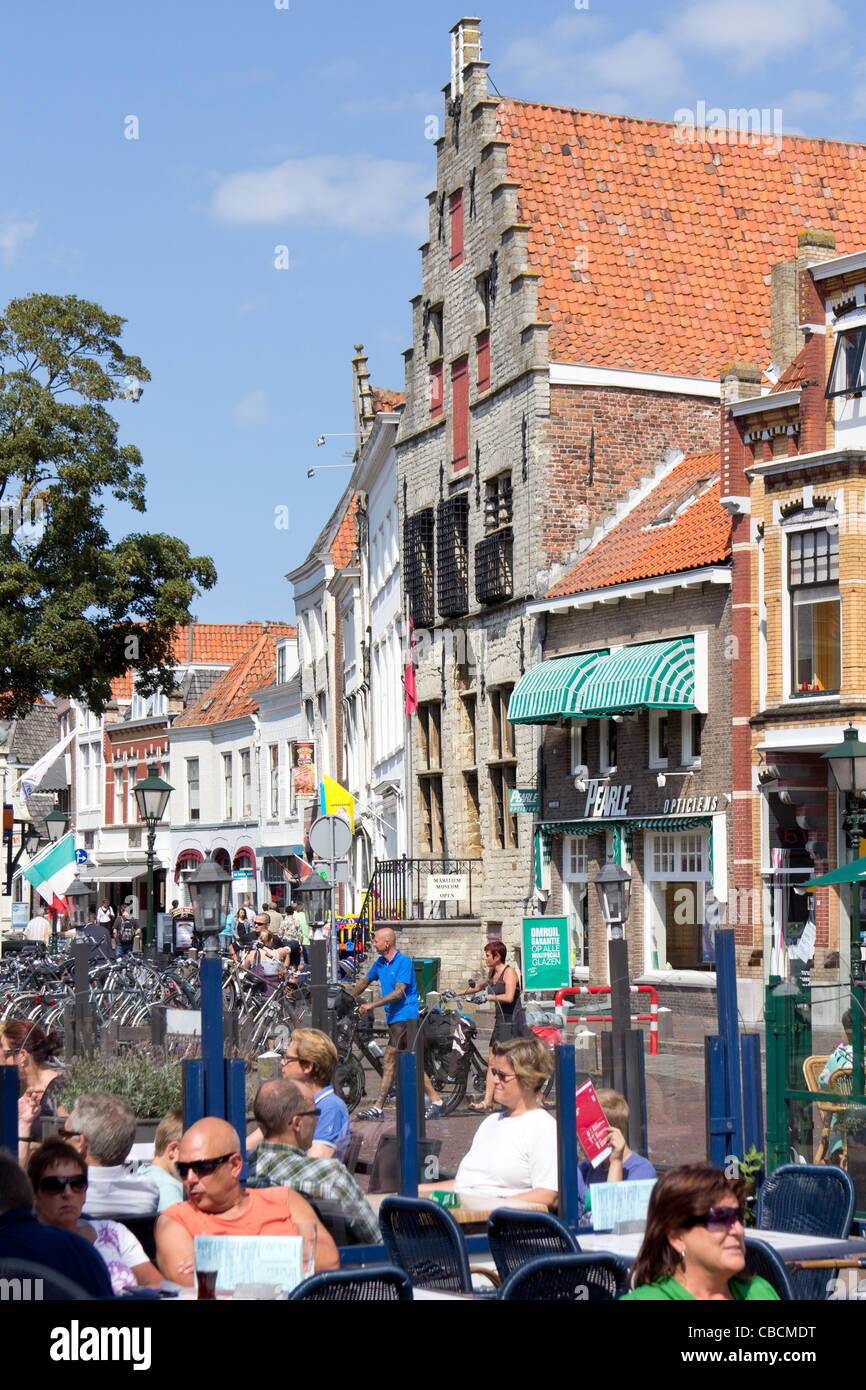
848	764
56	826
613	885
77	902
209	891
151	797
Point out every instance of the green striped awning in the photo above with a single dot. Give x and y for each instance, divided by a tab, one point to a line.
654	675
552	690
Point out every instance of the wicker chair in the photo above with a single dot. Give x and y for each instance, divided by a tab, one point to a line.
808	1199
372	1284
423	1239
595	1278
761	1259
812	1068
517	1236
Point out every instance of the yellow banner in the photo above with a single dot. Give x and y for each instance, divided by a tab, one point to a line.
334	799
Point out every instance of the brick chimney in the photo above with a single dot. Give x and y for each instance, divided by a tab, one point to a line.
739	382
785	340
814	248
465	48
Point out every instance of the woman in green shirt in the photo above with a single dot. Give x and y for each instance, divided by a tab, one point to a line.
694	1244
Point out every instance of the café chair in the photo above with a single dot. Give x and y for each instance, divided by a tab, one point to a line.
425	1241
370	1284
517	1236
762	1260
808	1199
590	1278
812	1068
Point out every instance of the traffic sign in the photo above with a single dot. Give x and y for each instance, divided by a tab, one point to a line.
331	837
81	856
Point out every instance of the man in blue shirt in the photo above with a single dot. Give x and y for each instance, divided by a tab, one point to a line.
311	1056
395	974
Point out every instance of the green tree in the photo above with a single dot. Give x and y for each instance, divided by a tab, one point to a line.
77	609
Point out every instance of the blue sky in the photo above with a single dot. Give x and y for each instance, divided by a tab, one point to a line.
260	127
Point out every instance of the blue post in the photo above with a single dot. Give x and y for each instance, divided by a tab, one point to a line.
719	1121
9	1110
236	1101
407	1123
193	1093
726	1002
211	975
566	1135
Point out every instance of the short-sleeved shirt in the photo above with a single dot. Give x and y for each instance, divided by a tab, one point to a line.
399	970
332	1126
742	1291
170	1189
634	1168
510	1154
267	1215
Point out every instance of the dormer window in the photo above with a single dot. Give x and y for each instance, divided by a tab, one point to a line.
848	371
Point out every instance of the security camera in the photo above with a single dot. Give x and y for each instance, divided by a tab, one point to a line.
661	780
311	472
320	441
580	784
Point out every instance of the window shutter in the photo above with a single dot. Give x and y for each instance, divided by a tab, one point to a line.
436	389
483	360
460	411
456	209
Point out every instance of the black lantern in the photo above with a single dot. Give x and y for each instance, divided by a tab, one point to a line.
31	841
78	902
209	891
151	797
848	762
613	885
56	824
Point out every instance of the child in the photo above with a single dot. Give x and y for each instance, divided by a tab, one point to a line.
623	1164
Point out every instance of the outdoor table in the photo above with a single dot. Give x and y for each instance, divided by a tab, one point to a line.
474	1221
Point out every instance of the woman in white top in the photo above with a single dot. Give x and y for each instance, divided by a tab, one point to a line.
513	1158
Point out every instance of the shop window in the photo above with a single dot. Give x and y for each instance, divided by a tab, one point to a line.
658	738
816	611
575	895
677	870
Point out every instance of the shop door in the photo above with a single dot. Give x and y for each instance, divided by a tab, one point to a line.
682	925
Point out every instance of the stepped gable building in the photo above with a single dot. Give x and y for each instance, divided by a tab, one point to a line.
794	469
585	280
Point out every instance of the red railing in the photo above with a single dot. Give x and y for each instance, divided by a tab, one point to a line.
652	1018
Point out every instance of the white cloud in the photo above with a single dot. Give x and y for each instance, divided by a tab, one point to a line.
553	56
641	62
13	233
252	409
363	195
750	31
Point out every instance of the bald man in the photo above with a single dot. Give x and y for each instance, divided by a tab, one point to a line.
396	976
209	1164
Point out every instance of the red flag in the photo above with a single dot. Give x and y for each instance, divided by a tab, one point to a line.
409	675
304	869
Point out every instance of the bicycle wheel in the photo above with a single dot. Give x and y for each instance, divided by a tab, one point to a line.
448	1072
348	1082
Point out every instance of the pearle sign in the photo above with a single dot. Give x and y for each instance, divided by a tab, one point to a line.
604	800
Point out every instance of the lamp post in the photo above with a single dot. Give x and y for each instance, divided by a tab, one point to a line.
848	764
151	796
209	890
613	885
56	826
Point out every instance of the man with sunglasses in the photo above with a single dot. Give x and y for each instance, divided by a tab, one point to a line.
287	1114
209	1164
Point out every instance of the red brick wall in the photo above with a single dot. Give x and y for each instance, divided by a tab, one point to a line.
633	431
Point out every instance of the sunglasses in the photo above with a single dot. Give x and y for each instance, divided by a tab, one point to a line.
202	1167
502	1075
720	1218
54	1186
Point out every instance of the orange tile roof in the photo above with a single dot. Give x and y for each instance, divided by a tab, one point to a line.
634	548
387	401
231	696
794	375
655	253
213	644
344	544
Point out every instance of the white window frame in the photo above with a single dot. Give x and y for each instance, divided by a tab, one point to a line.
575	859
189	784
119	808
655	721
689	719
246	806
274	781
577	738
604	763
653	876
228	788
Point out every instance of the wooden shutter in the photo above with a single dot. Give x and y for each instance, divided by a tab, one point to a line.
482	349
456	209
460	413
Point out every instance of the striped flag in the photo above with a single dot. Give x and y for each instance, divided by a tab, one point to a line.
52	872
33	776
